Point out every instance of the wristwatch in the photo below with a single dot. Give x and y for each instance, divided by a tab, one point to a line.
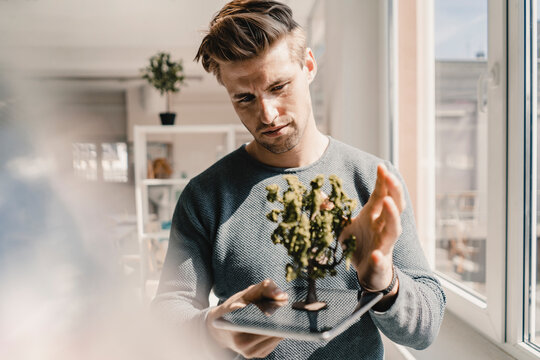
389	288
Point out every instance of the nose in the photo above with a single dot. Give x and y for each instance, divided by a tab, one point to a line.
269	111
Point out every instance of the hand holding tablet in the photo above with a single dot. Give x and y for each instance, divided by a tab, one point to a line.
279	319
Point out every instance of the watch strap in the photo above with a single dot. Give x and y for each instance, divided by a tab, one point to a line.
387	289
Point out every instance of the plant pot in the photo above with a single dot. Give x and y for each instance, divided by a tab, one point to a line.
167	118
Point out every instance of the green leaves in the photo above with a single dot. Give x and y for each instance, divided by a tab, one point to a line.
274	215
310	224
291	273
273	195
163	73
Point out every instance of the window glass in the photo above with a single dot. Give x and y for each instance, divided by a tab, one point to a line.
85	161
114	162
461	141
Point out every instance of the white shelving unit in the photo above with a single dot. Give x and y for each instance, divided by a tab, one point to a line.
231	136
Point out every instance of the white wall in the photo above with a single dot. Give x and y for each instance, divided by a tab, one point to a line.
57	115
457	340
200	102
355	73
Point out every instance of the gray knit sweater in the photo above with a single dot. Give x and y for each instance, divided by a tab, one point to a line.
220	238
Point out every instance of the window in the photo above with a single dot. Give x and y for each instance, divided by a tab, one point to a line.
85	161
114	162
468	122
484	89
476	99
109	164
461	142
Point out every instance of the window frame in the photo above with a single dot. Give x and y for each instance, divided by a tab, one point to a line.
486	316
522	148
504	315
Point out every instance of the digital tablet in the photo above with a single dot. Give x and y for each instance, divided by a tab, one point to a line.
272	318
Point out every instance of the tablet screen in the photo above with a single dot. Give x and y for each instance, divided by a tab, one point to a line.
280	319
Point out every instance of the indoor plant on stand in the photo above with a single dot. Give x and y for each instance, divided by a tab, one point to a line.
167	77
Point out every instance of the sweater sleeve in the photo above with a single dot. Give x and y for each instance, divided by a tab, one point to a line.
181	302
416	315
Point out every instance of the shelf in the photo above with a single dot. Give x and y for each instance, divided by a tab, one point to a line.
225	135
189	129
155	182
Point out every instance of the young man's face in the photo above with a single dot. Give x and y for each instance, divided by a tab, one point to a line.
270	94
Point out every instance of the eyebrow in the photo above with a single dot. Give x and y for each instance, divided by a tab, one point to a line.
275	83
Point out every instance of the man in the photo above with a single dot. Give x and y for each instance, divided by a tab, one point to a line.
221	238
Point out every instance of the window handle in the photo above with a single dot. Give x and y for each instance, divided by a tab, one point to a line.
486	80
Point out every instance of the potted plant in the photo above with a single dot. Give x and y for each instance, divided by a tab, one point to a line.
311	222
167	77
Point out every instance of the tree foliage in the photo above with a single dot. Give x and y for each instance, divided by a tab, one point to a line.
311	222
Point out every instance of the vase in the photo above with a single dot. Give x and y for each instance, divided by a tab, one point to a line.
167	118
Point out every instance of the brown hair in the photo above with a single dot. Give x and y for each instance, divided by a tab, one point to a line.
244	29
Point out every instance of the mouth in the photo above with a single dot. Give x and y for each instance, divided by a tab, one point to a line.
274	131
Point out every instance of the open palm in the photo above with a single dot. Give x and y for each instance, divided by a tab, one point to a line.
377	227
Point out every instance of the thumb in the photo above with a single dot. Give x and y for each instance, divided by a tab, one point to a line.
265	289
233	303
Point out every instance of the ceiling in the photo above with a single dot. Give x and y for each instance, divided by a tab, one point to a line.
73	40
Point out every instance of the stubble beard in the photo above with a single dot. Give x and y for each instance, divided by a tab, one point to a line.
284	143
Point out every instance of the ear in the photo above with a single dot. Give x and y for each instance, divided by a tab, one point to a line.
310	65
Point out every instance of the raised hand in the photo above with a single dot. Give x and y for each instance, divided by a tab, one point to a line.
247	345
377	227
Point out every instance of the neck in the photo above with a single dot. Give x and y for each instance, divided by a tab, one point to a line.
308	150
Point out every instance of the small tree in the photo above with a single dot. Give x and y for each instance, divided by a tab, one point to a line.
165	75
311	222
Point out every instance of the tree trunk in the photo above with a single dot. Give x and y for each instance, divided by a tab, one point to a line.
311	303
312	292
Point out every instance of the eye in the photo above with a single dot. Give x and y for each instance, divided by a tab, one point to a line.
279	87
246	99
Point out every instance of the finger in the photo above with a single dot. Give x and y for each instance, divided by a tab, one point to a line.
234	303
270	307
262	348
244	342
380	190
392	226
377	225
395	190
265	289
